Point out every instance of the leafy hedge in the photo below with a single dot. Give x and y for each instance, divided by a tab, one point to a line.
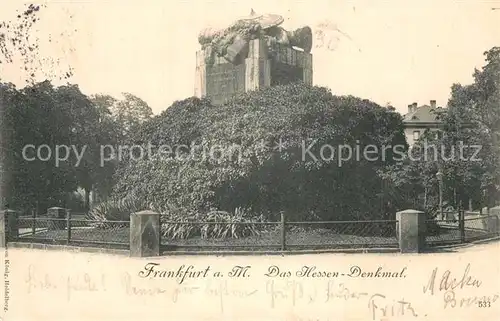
216	224
183	225
257	175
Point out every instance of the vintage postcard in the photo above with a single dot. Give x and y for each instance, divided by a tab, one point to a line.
220	160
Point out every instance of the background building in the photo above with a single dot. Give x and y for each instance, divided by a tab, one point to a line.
419	119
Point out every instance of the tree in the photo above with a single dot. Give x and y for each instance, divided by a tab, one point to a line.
110	133
118	121
130	113
34	116
43	115
471	122
474	120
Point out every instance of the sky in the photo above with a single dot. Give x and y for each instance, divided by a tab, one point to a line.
388	51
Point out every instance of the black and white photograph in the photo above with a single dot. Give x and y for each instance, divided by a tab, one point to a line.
323	141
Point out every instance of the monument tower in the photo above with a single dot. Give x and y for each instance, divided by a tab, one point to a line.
252	53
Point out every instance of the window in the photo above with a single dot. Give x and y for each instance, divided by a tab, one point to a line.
416	135
439	134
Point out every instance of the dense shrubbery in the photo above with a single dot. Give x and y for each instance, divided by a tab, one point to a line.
216	224
183	224
116	209
257	176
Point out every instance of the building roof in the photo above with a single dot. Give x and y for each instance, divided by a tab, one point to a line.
422	114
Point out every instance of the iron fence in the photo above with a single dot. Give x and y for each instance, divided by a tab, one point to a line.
459	228
74	231
253	236
481	227
282	235
341	234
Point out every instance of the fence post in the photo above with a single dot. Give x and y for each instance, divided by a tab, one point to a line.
68	225
33	222
411	231
495	211
283	231
497	219
9	228
145	234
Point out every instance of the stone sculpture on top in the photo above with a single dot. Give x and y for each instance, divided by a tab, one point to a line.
232	43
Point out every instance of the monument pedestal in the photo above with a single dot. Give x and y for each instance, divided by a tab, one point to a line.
264	66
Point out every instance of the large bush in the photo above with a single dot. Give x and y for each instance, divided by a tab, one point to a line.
263	136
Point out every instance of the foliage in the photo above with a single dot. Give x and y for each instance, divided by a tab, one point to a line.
129	113
115	209
43	115
250	172
216	224
471	121
76	201
182	225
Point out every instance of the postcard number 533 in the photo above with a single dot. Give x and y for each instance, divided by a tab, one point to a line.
484	304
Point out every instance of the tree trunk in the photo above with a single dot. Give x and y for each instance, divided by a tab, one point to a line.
87	198
425	198
95	196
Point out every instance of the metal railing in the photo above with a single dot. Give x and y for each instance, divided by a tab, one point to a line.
209	235
278	236
74	231
253	236
459	228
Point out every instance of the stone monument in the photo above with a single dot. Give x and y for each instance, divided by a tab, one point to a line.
251	53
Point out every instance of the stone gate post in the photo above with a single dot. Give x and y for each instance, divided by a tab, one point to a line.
411	231
145	234
9	228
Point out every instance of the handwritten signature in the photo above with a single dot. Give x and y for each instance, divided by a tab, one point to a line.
381	306
449	282
449	285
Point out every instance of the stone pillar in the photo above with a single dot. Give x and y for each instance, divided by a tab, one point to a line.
307	75
411	231
9	228
494	220
59	214
145	234
200	80
257	66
